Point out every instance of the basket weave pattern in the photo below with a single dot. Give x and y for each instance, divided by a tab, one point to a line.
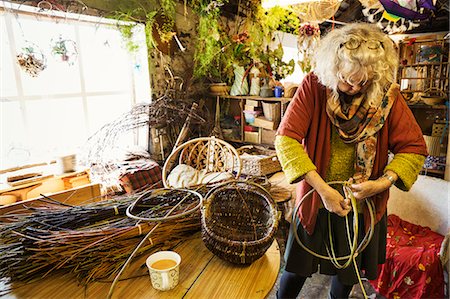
239	222
204	153
259	162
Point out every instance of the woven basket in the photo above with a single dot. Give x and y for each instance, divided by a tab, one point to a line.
259	161
204	153
239	222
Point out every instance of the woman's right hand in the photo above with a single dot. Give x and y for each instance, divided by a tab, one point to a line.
334	202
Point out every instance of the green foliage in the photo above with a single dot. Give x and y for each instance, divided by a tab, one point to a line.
280	69
165	30
211	43
127	30
217	50
150	21
139	14
127	35
278	18
208	49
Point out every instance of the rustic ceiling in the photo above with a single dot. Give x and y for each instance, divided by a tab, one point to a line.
351	11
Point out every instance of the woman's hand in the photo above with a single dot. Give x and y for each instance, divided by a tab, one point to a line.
369	188
334	202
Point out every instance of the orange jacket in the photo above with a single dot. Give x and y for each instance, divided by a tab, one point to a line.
306	120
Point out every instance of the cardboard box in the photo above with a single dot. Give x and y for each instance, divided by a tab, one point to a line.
263	122
268	136
252	137
253	103
251	108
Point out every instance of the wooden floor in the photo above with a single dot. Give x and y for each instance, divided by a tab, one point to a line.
202	275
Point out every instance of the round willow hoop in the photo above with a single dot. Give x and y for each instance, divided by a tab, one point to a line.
162	191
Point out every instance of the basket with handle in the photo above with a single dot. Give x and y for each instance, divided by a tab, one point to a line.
205	153
239	221
258	161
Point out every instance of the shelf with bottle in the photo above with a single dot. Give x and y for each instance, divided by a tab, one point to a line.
251	119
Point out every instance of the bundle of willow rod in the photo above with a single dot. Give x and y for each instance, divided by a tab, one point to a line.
165	113
91	241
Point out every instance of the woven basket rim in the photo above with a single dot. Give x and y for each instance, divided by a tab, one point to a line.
156	192
265	194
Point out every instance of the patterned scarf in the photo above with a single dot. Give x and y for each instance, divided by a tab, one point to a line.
359	123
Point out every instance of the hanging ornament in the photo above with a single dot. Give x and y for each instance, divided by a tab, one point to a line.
65	50
397	16
307	42
31	59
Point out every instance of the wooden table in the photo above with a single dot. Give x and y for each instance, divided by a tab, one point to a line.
202	275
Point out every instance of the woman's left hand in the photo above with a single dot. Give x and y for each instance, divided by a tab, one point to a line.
369	188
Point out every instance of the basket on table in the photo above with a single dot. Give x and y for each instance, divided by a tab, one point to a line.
211	155
239	222
258	161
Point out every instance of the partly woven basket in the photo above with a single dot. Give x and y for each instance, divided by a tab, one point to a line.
204	153
258	161
239	222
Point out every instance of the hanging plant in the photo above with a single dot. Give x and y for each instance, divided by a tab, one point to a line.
280	69
308	40
31	60
65	50
211	43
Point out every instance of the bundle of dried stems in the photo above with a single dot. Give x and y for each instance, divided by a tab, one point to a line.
92	241
166	113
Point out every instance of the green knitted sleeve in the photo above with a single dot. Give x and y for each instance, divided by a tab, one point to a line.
293	158
407	166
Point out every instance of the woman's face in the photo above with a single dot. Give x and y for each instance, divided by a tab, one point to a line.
354	85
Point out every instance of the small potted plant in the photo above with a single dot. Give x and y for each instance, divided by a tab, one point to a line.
65	49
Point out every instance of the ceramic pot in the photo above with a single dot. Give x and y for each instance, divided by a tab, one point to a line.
266	90
240	85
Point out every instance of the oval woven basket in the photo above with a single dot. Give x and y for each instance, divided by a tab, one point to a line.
239	222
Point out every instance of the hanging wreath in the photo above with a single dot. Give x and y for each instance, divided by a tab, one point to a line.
31	59
308	40
65	50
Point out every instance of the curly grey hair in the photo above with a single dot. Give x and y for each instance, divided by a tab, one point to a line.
358	50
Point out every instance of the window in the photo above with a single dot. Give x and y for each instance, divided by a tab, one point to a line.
55	112
290	51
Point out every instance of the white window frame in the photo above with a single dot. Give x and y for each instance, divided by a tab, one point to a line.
73	19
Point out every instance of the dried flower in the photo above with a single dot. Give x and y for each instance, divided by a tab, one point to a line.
309	30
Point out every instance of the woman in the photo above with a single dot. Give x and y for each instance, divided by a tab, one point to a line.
340	125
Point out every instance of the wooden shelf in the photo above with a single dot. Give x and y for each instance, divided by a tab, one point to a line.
265	134
426	67
423	64
256	98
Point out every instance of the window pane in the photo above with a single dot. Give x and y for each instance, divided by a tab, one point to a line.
59	77
8	81
140	69
54	119
107	65
13	144
56	126
105	109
